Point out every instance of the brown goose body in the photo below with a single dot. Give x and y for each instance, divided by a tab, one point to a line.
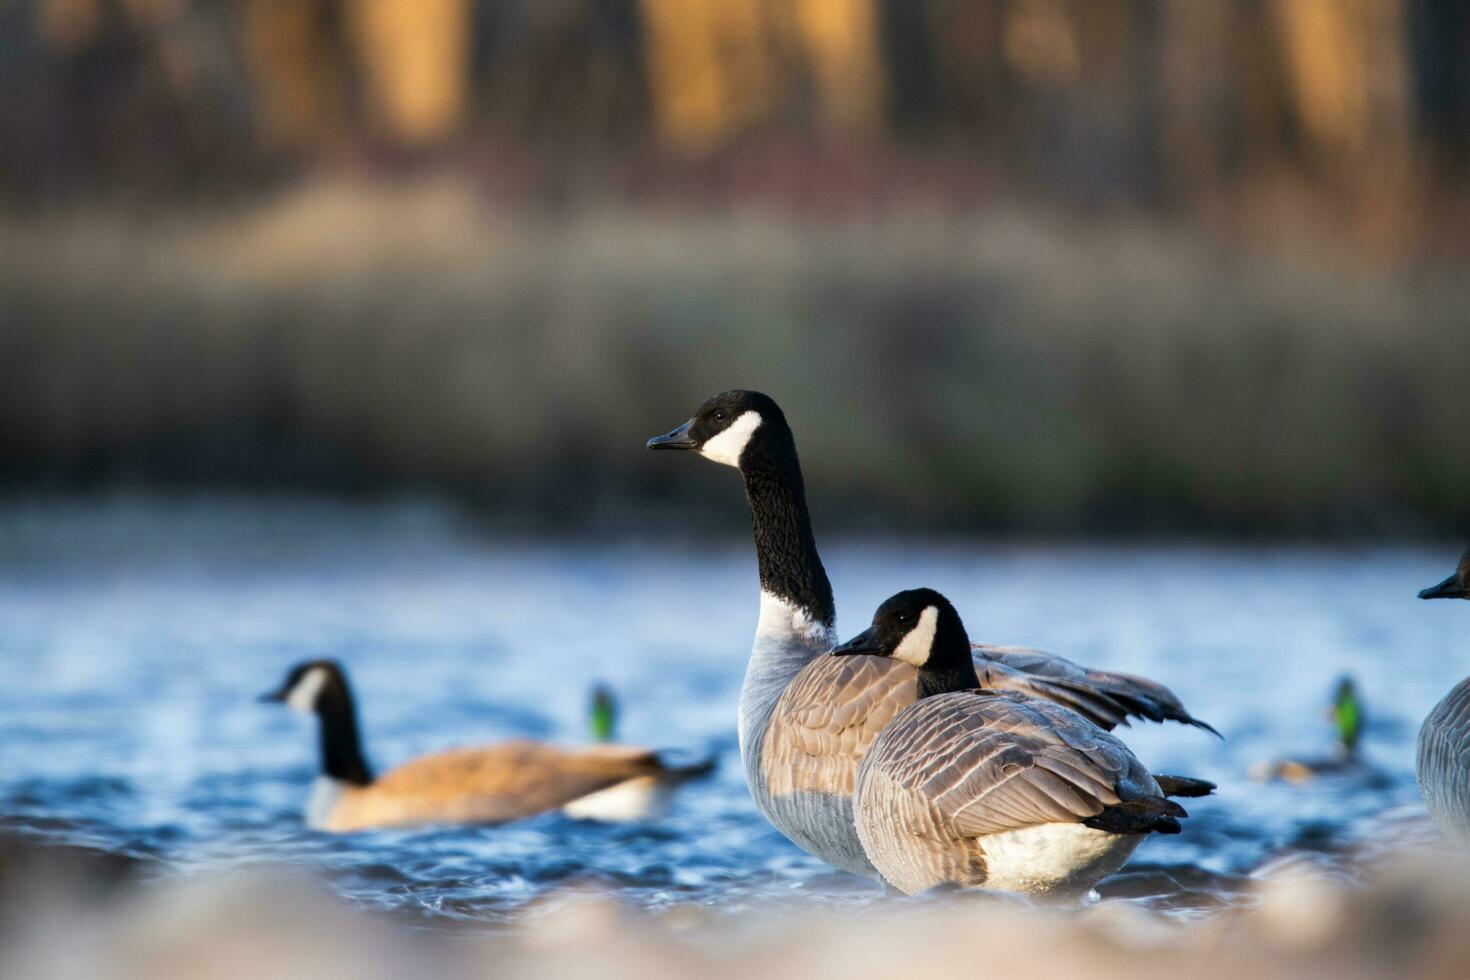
486	785
483	785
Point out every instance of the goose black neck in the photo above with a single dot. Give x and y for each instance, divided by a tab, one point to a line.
790	567
951	666
342	757
947	680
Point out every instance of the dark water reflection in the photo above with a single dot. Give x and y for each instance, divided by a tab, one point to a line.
134	636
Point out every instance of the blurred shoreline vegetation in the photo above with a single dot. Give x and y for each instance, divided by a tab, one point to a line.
1020	266
1004	373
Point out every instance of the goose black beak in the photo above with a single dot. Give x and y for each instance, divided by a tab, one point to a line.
1450	588
272	697
678	439
864	642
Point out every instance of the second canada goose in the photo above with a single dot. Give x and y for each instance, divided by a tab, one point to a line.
1442	756
992	788
484	785
643	797
806	719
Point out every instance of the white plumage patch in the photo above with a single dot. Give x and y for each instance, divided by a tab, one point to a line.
304	692
632	800
1054	857
787	623
728	445
787	638
325	793
917	644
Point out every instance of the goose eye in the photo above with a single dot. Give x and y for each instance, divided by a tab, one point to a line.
719	415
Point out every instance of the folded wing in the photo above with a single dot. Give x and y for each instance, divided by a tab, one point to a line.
1105	698
986	764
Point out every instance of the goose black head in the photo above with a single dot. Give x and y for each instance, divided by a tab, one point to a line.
920	627
1457	586
731	427
319	687
748	430
310	685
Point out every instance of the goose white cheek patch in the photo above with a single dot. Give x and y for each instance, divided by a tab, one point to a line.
728	445
303	694
914	648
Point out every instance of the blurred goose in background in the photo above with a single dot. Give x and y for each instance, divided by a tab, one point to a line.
806	719
1443	753
485	785
1348	718
993	788
642	797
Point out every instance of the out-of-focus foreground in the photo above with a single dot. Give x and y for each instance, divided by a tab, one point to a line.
1020	265
1409	920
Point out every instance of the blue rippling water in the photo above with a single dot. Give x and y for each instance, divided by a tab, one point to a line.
135	634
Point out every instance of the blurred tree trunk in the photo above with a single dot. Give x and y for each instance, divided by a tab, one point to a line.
839	43
414	56
1439	35
710	67
1200	114
290	53
570	70
1348	84
1347	73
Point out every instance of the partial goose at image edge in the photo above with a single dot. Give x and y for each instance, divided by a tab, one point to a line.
1442	750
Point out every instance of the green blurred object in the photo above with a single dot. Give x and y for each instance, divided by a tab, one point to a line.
1347	714
604	714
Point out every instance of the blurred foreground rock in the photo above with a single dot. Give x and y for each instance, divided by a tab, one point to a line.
1411	919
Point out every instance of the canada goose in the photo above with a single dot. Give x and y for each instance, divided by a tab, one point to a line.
992	788
640	798
806	719
1442	758
490	784
1348	717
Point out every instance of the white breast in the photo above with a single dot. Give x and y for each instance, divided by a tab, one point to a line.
786	641
326	793
632	800
1054	858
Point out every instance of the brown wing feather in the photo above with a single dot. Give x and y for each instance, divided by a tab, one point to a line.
1105	698
986	764
827	717
833	709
